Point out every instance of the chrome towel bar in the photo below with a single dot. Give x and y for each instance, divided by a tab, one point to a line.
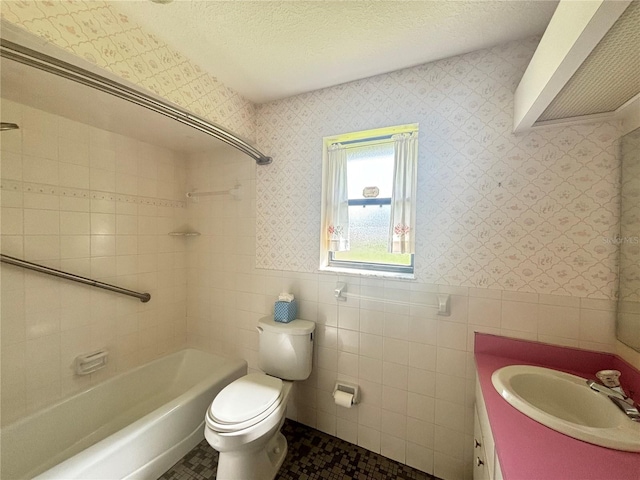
144	297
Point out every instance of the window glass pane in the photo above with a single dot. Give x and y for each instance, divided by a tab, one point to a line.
370	166
369	234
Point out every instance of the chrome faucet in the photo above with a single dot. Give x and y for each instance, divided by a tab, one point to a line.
611	387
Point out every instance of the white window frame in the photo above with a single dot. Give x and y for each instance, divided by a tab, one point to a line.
327	263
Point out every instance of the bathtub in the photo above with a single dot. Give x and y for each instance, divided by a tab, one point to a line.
135	425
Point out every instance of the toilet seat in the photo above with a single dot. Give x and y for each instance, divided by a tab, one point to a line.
245	402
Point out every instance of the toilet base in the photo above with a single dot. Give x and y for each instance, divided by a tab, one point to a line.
260	464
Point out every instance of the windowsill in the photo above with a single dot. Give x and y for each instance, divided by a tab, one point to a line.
369	273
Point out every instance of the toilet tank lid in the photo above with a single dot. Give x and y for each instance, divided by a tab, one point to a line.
294	327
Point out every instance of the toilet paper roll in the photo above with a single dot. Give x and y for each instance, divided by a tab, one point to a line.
343	399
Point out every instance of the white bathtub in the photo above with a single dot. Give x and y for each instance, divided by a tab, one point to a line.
134	425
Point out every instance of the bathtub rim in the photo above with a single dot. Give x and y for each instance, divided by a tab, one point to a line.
107	446
111	379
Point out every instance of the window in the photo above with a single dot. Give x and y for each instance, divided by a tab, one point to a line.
368	209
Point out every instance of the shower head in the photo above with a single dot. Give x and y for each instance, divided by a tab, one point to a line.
8	126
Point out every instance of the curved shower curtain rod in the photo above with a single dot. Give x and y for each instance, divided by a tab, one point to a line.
38	60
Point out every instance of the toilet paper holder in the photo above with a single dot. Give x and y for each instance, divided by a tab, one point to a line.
348	388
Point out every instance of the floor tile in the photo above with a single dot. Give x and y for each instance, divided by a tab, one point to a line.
311	455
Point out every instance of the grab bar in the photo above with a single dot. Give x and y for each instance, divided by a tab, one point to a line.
144	297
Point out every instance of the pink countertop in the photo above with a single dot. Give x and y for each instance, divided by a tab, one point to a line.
526	449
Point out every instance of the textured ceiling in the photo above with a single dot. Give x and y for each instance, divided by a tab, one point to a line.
268	50
610	75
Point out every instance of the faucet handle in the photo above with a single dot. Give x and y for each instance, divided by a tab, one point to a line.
609	378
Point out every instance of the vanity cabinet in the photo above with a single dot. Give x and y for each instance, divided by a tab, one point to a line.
480	467
526	448
485	461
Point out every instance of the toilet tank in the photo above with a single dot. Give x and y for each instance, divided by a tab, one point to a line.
286	349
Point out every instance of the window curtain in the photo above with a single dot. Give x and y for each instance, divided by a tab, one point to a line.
402	235
337	206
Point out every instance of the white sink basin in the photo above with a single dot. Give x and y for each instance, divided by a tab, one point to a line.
566	404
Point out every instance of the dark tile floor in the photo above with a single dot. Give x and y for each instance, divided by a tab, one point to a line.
312	455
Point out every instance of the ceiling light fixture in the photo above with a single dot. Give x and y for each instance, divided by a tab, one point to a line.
162	1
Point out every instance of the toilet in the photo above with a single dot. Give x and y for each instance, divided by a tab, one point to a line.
244	420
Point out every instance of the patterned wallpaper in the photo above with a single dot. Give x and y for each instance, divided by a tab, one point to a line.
530	213
97	32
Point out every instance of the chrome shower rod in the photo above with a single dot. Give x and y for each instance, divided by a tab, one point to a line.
38	60
144	297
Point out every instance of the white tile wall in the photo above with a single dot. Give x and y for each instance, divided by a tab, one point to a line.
60	207
415	368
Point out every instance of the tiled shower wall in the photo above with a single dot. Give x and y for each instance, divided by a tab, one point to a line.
225	293
99	205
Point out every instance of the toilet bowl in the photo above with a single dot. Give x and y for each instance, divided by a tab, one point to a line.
243	424
244	420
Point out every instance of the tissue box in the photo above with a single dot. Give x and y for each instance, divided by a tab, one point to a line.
285	311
